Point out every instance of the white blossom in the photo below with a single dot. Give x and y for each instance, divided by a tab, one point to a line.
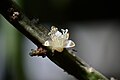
112	78
58	41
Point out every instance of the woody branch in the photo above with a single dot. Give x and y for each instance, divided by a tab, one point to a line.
38	34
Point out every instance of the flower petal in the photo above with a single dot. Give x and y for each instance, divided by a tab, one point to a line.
47	43
58	34
69	44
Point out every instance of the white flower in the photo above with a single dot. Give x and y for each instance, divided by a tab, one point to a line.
112	78
58	41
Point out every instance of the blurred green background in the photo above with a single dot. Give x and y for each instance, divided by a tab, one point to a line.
93	25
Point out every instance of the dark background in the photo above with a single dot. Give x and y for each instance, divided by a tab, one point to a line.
72	10
93	26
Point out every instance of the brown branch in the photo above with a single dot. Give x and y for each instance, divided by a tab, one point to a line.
38	34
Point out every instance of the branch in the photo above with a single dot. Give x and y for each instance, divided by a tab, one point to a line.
38	34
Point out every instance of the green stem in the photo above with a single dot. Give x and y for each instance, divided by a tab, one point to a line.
38	35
